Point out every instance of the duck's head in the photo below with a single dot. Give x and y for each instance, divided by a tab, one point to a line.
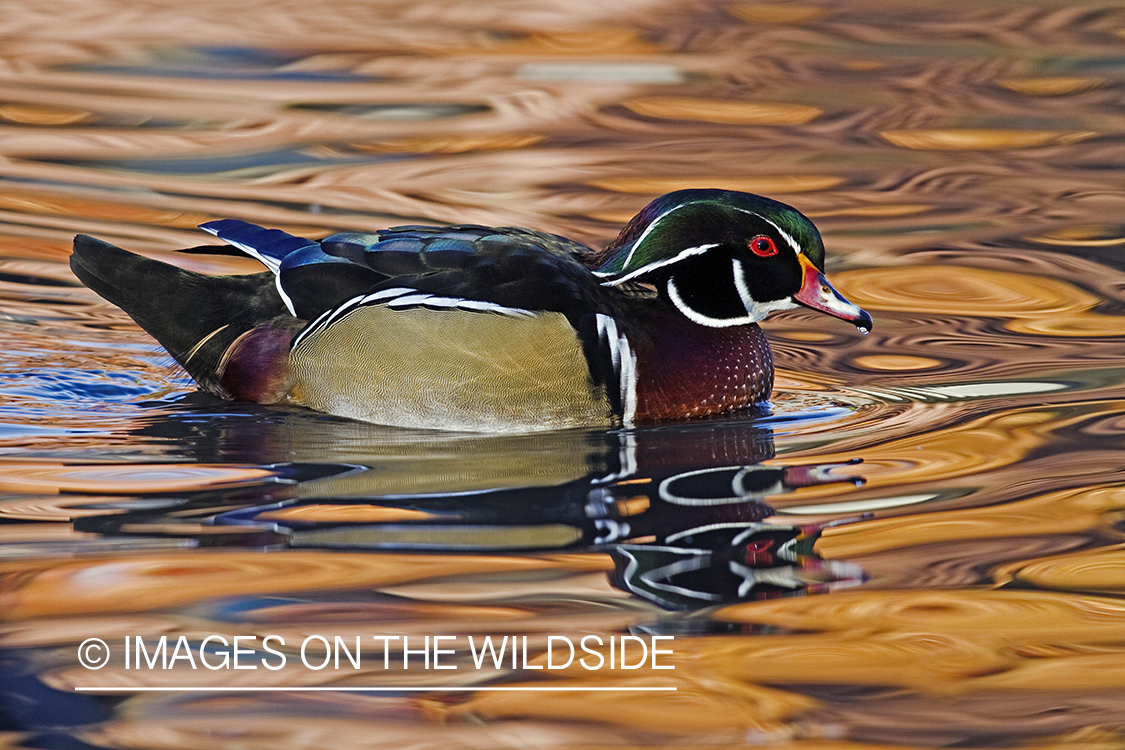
725	258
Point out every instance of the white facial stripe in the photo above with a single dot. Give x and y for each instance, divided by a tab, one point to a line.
743	290
784	235
789	240
701	319
706	527
648	229
755	310
762	309
739	484
698	250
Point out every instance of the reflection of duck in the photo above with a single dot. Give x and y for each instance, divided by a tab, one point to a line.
589	512
687	540
484	329
686	502
683	540
728	563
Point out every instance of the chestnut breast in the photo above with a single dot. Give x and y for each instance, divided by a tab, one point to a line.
688	370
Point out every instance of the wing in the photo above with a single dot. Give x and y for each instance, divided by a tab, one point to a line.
509	272
510	267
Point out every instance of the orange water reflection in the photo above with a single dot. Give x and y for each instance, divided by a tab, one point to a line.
963	164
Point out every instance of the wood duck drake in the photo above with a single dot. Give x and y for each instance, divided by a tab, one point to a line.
490	329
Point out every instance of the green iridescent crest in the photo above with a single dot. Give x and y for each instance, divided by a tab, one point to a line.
689	222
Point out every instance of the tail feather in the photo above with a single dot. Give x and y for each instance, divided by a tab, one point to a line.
195	317
270	246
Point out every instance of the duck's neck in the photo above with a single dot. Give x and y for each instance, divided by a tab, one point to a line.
688	370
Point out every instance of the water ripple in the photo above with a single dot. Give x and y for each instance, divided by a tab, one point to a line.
963	164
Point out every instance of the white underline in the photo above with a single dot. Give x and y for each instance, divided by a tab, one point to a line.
435	688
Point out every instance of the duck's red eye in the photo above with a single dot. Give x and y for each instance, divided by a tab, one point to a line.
763	246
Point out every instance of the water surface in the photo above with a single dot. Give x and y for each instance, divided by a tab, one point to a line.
960	586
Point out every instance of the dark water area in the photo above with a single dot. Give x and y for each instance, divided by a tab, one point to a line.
918	543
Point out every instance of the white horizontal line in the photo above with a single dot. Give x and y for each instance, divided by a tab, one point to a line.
434	688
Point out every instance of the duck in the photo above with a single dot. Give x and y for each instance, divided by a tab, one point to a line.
489	329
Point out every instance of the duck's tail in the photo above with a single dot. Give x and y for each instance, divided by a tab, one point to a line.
201	320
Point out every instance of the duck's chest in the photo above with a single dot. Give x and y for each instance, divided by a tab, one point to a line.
688	370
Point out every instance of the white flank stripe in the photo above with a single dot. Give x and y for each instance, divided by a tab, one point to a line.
481	306
477	305
624	361
397	291
628	384
326	319
404	297
458	303
607	331
442	302
409	299
316	325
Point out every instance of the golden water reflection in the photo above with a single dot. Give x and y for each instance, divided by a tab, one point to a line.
963	165
1035	305
973	140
